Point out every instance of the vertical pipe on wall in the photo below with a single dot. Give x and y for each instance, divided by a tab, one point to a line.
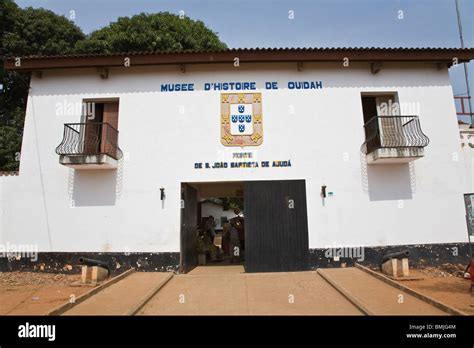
466	75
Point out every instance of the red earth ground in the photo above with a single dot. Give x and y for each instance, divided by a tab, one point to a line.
444	287
33	293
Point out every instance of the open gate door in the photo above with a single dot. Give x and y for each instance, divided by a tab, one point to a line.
276	226
188	228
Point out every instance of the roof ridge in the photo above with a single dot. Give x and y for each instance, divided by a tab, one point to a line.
247	49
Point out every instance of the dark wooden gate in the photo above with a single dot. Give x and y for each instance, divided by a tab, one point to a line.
276	226
188	228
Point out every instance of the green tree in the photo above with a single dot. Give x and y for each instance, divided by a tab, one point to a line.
157	32
10	140
26	32
40	32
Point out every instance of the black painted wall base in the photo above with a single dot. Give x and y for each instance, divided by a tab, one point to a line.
421	255
67	262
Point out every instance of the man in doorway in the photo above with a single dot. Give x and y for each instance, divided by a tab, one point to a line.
239	224
234	242
210	228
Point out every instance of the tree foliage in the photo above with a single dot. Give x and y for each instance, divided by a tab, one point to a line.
10	140
157	32
40	32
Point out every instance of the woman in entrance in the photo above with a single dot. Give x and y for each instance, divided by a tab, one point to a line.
210	228
239	224
234	242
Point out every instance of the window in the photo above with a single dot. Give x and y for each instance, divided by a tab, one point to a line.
383	104
224	220
101	127
389	130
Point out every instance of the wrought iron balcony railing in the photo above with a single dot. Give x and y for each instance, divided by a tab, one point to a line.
91	138
393	132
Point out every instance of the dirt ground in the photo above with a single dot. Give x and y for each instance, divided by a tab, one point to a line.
443	285
31	293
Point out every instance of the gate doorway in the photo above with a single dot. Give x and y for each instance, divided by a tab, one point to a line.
212	224
271	217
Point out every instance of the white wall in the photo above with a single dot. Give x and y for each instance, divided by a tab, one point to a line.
117	211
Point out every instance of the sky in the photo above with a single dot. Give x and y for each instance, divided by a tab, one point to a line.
300	23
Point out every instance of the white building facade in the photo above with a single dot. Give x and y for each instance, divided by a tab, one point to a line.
307	125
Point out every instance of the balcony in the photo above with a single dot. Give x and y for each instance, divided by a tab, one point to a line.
393	139
91	145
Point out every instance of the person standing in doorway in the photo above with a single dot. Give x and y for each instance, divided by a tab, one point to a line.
210	228
239	219
234	242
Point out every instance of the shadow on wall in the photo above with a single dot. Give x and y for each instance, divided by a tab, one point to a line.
388	182
95	187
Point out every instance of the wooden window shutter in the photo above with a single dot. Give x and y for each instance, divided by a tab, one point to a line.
109	141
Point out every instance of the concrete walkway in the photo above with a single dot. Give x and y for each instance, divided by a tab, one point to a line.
122	297
376	296
227	290
218	270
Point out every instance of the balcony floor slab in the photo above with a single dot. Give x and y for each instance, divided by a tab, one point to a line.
395	155
102	161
